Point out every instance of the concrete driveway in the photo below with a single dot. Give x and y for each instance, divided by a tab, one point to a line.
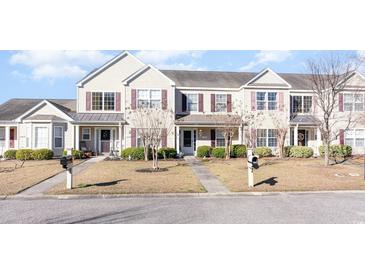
275	208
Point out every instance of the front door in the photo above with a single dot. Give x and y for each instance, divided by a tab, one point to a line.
12	137
188	142
301	137
105	140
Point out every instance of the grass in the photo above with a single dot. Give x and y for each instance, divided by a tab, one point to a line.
14	180
121	177
290	175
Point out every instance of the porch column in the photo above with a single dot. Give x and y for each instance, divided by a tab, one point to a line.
50	136
178	139
296	135
240	135
120	137
7	138
77	137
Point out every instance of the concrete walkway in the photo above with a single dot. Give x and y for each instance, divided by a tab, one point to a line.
46	185
210	182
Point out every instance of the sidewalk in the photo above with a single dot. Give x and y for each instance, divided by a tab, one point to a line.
210	182
46	185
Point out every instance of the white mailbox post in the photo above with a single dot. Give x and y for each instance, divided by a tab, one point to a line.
252	163
67	163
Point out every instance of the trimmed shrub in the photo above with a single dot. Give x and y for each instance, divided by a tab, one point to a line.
218	152
169	152
263	151
10	154
300	152
136	153
341	151
24	154
42	154
287	151
77	154
239	151
204	151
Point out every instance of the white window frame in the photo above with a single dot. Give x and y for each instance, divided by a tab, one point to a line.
149	99
58	137
217	133
36	138
351	134
266	100
82	134
103	100
353	102
266	138
187	102
216	102
302	103
2	135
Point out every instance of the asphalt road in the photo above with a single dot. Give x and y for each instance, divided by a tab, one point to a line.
275	208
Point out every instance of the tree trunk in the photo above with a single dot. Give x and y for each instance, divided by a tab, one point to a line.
326	153
146	152
227	148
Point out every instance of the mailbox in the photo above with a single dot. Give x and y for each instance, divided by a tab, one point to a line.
66	161
253	161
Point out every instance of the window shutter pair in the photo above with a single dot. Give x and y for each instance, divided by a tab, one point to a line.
88	101
200	102
134	99
229	102
280	101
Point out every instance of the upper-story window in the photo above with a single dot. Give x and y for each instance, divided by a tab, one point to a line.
149	98
268	99
301	104
221	102
353	102
103	101
192	102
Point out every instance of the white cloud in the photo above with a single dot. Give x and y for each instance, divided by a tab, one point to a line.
58	64
266	57
171	59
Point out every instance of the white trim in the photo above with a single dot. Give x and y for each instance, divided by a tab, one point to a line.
149	99
54	136
68	118
82	134
141	71
102	102
106	65
261	74
208	88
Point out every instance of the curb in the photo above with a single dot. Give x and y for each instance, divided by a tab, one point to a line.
173	195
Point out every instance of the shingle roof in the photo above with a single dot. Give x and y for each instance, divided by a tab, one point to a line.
304	119
98	117
44	117
224	79
205	119
14	108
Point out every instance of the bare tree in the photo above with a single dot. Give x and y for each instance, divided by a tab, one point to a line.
138	118
281	124
328	76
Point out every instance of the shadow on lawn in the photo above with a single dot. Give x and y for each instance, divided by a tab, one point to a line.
271	181
111	183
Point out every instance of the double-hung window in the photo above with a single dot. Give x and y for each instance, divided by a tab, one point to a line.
221	102
260	100
41	137
219	138
192	102
103	101
301	104
268	99
2	133
353	102
58	137
272	100
266	138
86	134
149	98
355	137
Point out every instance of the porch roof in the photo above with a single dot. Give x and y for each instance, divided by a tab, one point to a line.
42	117
304	120
98	117
206	119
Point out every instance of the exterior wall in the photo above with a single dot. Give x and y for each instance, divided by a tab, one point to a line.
269	78
110	80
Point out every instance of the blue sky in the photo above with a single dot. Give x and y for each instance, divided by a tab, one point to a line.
53	74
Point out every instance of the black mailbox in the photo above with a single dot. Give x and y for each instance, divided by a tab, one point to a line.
253	161
66	161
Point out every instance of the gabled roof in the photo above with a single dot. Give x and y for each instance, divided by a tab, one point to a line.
15	108
252	82
143	70
44	117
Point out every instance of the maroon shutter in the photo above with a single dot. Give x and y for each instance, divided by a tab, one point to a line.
229	103
253	137
281	101
201	102
184	102
164	99
133	137
314	103
134	99
212	137
164	138
212	102
117	101
340	102
253	100
88	101
342	136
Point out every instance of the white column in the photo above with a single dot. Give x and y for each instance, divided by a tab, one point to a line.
50	136
120	137
178	139
77	137
296	135
240	135
7	137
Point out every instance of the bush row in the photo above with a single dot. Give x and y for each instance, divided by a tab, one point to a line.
137	153
298	151
29	154
342	151
77	154
237	151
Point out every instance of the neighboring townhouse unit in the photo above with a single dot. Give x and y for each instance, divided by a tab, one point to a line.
98	119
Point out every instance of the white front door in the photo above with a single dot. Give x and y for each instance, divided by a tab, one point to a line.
188	141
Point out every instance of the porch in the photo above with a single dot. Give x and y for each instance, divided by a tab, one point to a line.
8	138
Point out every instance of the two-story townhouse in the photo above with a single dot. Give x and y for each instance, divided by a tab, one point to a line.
98	120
